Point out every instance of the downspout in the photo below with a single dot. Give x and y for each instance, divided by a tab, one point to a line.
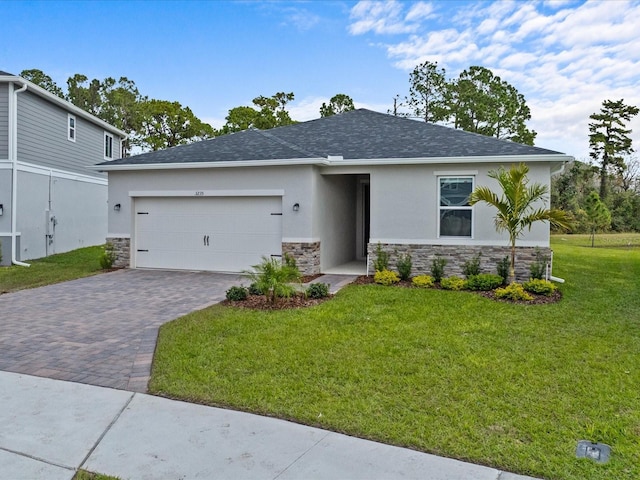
13	157
550	265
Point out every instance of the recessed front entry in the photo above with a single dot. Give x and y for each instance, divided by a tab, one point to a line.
225	234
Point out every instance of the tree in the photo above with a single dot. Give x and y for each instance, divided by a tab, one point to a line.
517	205
429	92
85	94
609	139
272	110
570	188
117	103
598	215
42	80
339	103
481	102
167	124
238	119
272	113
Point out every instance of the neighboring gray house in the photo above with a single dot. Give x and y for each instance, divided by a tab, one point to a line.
50	201
327	191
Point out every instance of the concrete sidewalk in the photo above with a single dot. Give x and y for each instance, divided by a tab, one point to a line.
51	427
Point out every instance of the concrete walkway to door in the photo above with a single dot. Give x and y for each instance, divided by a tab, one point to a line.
100	330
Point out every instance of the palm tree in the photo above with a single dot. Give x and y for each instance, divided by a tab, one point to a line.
516	207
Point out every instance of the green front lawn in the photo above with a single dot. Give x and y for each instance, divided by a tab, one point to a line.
54	269
451	373
84	475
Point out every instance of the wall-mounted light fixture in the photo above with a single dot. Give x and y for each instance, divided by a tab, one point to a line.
116	207
296	207
1	209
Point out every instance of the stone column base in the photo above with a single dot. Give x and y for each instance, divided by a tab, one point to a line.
306	255
122	251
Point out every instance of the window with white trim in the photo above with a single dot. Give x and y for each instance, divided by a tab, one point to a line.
455	215
71	128
108	146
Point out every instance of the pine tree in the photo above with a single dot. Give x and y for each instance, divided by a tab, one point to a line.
609	139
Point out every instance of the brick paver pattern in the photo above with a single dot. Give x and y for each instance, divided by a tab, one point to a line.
100	330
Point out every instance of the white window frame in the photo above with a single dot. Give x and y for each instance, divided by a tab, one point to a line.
72	130
454	207
108	146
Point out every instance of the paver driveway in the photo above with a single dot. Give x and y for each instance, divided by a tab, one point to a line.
100	330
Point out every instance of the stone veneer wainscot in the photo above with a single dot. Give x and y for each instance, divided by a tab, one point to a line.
456	256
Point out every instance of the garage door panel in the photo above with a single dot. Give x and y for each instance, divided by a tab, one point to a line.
211	233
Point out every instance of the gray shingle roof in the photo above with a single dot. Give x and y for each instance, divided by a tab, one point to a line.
358	134
6	74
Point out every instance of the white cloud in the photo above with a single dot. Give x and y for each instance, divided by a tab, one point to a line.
380	17
420	11
301	19
566	58
214	122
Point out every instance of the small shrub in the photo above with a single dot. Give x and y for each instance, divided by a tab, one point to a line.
273	278
386	277
471	266
503	269
254	289
237	294
290	261
453	283
381	262
108	257
538	268
514	291
539	287
422	281
484	282
437	268
404	265
318	290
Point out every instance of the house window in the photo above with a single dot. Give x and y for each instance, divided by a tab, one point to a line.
71	128
108	146
454	212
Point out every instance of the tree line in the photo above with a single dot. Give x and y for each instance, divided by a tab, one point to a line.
605	193
153	124
476	101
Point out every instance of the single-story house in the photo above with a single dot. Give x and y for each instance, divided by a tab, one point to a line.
327	191
51	200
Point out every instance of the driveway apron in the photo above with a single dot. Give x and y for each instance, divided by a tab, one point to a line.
100	330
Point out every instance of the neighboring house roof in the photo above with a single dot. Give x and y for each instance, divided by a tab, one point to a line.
41	92
355	135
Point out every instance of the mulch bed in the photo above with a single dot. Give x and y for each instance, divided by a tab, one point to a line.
260	302
537	299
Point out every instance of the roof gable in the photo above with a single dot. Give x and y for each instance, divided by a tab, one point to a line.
355	135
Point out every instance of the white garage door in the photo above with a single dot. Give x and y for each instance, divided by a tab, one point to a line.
224	234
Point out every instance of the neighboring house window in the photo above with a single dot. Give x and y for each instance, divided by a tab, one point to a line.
71	128
455	213
108	146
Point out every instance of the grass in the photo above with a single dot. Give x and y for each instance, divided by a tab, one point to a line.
84	475
53	269
451	373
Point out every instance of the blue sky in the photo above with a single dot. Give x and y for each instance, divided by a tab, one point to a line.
565	57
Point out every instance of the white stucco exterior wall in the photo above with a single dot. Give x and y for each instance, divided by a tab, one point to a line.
295	181
404	205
